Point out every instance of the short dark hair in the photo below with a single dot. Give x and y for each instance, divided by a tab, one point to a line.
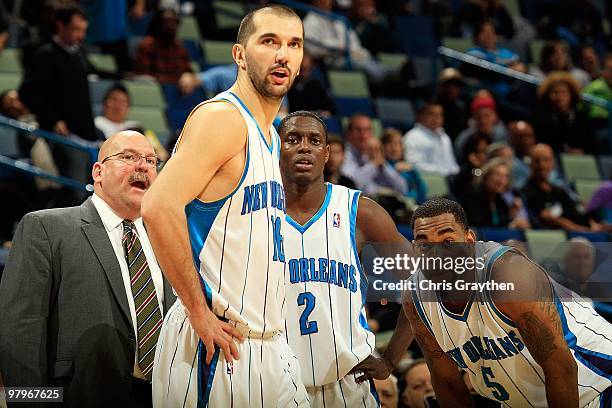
333	138
439	206
301	114
480	26
428	104
65	13
354	116
247	26
115	88
472	143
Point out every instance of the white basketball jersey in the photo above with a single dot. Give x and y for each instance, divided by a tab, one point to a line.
325	288
237	241
486	343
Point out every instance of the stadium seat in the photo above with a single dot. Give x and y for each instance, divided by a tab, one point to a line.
217	52
9	142
193	49
394	61
9	81
586	189
424	69
228	14
188	29
145	94
544	244
500	234
397	113
103	62
350	106
605	164
535	48
591	236
437	186
177	101
97	90
348	83
583	166
150	118
333	125
9	61
457	43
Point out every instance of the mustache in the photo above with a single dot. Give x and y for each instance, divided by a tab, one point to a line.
283	66
138	176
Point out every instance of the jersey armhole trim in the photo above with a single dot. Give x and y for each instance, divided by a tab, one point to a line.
263	138
487	295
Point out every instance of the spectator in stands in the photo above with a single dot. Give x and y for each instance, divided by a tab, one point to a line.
394	153
521	138
554	57
114	118
450	85
492	203
371	26
602	88
161	54
427	146
365	160
473	158
418	384
387	392
519	169
484	120
326	39
334	163
486	48
600	205
550	205
472	12
55	89
108	27
308	93
12	107
576	22
213	80
588	60
559	121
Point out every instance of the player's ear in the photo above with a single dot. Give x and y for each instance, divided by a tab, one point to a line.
470	236
238	53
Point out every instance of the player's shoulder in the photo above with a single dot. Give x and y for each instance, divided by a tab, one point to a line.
217	111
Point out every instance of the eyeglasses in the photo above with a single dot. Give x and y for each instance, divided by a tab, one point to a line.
133	158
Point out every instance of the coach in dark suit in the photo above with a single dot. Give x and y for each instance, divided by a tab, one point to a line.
82	297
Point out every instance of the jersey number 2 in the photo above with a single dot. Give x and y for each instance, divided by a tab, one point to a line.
309	301
499	392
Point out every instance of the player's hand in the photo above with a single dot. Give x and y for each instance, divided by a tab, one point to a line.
373	367
215	332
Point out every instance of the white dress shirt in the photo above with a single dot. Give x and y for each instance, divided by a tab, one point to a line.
430	151
114	229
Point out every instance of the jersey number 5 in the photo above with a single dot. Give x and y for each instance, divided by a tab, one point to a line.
499	392
309	300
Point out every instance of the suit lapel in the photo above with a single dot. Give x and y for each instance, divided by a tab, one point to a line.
98	239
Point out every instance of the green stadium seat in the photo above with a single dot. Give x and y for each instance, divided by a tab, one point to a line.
188	29
583	166
145	94
457	43
437	186
103	62
348	83
228	14
217	52
535	48
150	118
9	61
9	81
586	189
545	244
393	61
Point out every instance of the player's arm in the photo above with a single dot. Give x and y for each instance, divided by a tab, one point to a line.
214	134
449	387
532	307
376	226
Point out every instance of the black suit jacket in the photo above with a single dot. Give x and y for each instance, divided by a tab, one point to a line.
65	315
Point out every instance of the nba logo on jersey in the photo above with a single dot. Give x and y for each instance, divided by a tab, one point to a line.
336	220
230	368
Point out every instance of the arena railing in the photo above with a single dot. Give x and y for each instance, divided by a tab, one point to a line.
22	130
530	79
331	16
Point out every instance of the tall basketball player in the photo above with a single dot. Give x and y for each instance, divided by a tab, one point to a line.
527	347
216	222
325	285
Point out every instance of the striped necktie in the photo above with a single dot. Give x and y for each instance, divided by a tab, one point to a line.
148	315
